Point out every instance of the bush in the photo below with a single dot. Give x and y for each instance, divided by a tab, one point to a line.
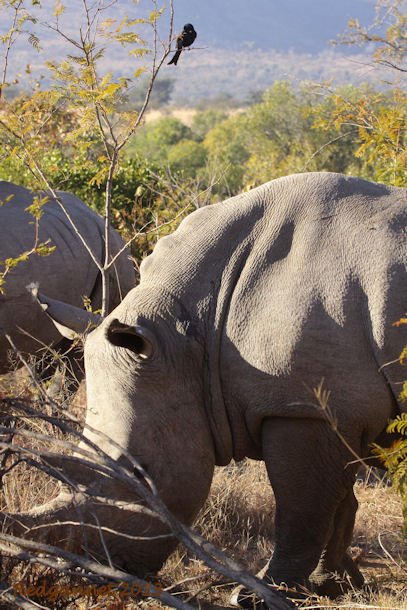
143	197
395	458
187	157
154	139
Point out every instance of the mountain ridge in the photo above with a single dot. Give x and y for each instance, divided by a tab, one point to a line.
242	47
303	26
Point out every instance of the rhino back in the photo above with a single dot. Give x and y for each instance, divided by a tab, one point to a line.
67	274
68	271
316	300
292	241
330	241
302	279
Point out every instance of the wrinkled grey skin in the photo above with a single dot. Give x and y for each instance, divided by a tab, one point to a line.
244	309
67	274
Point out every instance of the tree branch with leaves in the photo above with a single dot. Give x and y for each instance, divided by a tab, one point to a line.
82	86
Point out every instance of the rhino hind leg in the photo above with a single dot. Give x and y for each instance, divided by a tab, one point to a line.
312	481
336	570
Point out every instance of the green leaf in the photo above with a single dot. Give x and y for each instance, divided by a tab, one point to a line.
6	200
35	209
59	9
34	41
139	52
403	356
107	23
139	72
155	15
11	263
403	393
399	424
44	249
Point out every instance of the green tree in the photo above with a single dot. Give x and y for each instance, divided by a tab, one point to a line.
227	149
154	140
204	121
381	119
379	124
275	137
82	86
281	137
187	157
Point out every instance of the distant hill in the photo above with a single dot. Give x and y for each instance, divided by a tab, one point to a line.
243	46
212	74
248	44
304	26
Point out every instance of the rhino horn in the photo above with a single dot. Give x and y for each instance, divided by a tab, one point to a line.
69	320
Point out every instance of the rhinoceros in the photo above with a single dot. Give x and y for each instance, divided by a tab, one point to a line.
68	273
238	315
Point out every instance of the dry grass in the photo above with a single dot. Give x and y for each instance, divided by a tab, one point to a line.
238	518
239	515
25	487
185	115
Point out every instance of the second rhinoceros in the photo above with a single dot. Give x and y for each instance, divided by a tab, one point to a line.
68	273
213	357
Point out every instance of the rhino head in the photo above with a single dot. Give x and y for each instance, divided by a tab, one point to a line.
142	394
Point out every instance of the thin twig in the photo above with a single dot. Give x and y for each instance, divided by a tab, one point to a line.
73	560
10	43
389	555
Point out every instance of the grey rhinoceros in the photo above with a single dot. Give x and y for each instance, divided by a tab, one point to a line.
213	357
67	274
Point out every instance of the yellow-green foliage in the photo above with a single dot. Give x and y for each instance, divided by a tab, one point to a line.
379	121
395	459
38	248
72	135
386	35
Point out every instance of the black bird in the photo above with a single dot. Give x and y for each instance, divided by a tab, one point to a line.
185	39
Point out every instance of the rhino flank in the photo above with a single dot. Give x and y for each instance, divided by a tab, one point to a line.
67	274
238	313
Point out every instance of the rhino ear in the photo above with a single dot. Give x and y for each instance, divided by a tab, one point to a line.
134	338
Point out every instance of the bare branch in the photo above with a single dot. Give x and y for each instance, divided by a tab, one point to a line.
322	396
10	42
321	148
157	64
145	233
33	549
18	601
214	558
390	556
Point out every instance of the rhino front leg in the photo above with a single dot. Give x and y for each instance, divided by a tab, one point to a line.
312	481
